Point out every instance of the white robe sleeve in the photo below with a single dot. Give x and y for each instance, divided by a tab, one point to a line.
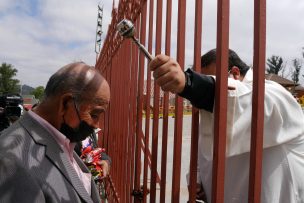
283	119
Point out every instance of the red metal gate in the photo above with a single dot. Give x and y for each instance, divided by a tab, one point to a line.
132	140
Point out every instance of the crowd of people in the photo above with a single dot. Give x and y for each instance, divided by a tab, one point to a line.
38	162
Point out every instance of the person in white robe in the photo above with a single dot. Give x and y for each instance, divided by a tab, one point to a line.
283	141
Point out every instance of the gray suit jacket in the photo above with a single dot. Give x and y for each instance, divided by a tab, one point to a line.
33	167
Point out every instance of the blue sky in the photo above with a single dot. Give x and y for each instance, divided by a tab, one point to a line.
40	36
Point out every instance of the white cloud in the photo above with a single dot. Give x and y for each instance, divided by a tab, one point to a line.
5	5
38	37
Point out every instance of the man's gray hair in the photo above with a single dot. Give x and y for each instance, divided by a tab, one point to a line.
69	80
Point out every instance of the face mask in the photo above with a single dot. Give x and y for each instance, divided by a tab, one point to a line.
77	134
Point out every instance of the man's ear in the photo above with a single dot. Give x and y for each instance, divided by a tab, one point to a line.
64	100
235	72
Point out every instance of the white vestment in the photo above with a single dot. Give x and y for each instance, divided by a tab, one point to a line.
283	154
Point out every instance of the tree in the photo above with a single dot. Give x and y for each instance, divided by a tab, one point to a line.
38	92
297	67
275	64
7	83
286	72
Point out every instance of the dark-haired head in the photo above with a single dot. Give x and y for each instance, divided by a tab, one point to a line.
233	60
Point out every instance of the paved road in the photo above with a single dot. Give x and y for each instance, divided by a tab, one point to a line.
185	155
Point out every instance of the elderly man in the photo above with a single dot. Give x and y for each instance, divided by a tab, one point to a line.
37	160
283	155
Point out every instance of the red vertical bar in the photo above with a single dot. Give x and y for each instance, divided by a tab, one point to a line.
117	151
257	128
119	141
165	110
123	54
220	121
133	118
105	132
125	108
127	152
156	105
148	96
107	119
195	111
111	130
102	139
140	103
116	131
107	115
128	110
114	112
178	124
118	61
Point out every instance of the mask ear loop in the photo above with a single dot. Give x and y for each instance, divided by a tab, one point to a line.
75	106
91	135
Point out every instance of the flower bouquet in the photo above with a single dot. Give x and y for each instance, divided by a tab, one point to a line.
91	157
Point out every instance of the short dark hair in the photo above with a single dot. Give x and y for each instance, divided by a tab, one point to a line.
66	80
233	60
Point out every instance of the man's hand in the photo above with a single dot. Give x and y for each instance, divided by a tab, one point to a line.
200	193
168	74
105	167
